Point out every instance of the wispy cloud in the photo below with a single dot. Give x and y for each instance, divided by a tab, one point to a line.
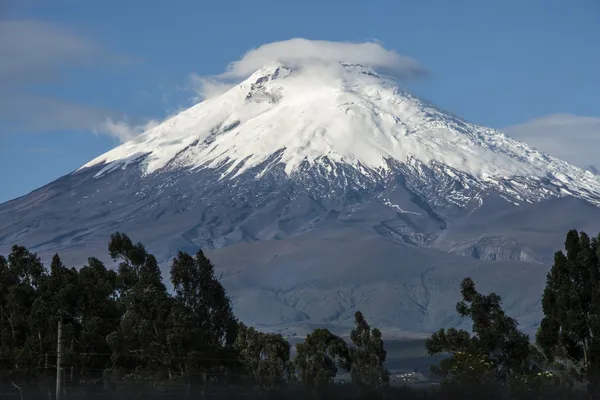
304	53
26	113
572	138
31	113
34	53
206	87
41	150
123	130
40	52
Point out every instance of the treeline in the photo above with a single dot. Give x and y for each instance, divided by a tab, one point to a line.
122	328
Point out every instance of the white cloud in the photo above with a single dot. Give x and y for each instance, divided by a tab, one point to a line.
205	87
39	52
572	138
304	53
122	130
34	53
26	113
51	115
300	52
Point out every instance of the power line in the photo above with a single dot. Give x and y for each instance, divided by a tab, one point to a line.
68	319
139	370
84	354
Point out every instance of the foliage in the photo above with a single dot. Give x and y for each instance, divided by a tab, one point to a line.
570	330
319	357
143	325
367	356
21	278
117	325
123	325
497	350
202	325
265	357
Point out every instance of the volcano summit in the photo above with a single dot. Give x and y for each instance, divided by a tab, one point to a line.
320	188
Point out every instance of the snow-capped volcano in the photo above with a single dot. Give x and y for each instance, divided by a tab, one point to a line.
319	188
342	114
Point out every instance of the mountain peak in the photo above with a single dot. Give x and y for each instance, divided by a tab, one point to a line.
333	114
316	177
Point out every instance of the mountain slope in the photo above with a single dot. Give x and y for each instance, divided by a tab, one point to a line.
345	116
404	290
316	184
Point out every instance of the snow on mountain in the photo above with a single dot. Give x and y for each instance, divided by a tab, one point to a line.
339	114
321	188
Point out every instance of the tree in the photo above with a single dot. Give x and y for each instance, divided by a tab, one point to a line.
570	329
33	298
57	298
497	350
20	278
203	327
139	345
200	293
368	356
264	357
100	316
318	358
132	259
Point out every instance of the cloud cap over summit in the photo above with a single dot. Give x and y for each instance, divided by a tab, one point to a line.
305	53
299	52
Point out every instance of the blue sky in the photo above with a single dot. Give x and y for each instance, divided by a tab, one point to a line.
529	67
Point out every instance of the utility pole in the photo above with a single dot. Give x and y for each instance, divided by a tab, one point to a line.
59	350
